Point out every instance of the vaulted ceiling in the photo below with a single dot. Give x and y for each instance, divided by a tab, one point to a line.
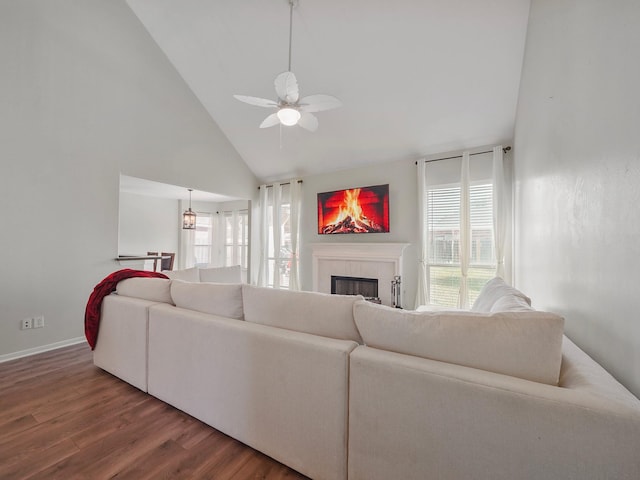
416	77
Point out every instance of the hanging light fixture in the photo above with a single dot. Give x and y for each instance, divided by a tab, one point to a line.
189	216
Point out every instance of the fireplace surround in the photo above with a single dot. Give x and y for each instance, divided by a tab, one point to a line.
381	261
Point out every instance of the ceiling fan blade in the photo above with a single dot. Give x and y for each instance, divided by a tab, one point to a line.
287	87
308	122
258	102
270	121
318	103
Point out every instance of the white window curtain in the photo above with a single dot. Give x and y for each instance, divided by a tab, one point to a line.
422	293
465	233
296	206
279	208
276	253
218	256
187	250
499	209
263	235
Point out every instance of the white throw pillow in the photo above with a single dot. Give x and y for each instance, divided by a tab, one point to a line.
521	344
492	291
186	275
152	289
310	312
511	303
221	274
223	299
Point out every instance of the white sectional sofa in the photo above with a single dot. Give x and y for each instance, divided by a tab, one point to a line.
337	388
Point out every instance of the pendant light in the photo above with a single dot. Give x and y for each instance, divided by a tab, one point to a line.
189	216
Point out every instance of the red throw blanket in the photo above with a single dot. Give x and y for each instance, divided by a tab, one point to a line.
104	288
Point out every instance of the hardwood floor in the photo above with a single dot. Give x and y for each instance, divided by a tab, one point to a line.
63	418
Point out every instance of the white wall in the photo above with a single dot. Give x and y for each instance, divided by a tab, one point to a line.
86	95
577	168
148	224
401	177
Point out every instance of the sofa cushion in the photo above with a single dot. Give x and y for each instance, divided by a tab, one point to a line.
521	344
493	290
152	289
511	303
223	299
187	275
221	274
310	312
437	308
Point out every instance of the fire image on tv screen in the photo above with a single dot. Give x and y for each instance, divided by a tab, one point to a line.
355	210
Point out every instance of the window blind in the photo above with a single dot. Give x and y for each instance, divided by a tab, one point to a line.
443	236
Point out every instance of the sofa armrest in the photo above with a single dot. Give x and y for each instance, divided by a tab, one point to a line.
580	374
414	418
121	348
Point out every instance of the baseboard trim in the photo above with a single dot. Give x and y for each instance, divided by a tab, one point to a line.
44	348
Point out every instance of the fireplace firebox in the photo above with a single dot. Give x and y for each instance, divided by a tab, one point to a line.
367	287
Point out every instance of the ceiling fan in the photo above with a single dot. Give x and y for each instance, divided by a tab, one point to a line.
291	109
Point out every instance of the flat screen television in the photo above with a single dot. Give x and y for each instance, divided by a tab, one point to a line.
354	210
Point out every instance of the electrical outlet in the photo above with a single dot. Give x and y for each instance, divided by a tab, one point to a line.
26	324
38	322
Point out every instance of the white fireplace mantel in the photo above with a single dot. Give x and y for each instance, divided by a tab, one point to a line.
370	260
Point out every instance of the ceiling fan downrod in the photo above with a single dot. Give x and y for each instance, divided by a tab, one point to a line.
291	5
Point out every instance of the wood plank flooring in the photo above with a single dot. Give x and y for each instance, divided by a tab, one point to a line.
63	418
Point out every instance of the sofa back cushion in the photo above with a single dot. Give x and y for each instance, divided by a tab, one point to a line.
310	312
492	291
520	344
223	299
152	289
221	274
186	275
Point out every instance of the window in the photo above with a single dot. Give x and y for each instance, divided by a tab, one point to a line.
236	238
480	225
203	238
443	233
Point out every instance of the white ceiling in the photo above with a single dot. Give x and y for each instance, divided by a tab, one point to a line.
416	77
140	186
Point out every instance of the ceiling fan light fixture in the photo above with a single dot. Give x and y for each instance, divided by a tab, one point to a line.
291	109
288	116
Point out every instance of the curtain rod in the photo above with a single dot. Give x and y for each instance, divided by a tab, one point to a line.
504	150
231	211
285	183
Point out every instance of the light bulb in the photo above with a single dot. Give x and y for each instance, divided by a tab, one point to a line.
288	116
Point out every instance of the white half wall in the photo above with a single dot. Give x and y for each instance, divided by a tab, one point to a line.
577	171
86	95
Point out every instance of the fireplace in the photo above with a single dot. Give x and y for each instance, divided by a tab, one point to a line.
380	261
367	287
